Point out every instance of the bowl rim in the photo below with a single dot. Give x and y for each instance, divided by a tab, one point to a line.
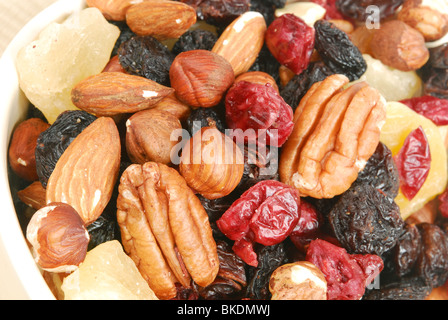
20	277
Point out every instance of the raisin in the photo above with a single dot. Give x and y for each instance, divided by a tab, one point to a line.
195	40
357	9
433	108
125	34
337	51
432	263
219	12
259	112
413	162
231	278
365	220
270	258
406	288
145	56
297	87
291	42
381	172
436	83
438	57
103	229
205	117
53	142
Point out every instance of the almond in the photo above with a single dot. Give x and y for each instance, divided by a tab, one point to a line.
112	93
111	9
85	174
242	40
160	19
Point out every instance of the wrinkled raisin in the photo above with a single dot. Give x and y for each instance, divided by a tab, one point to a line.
297	87
406	288
432	263
381	172
436	83
103	229
125	34
205	117
53	142
198	39
337	51
218	12
291	42
145	56
358	9
365	220
413	162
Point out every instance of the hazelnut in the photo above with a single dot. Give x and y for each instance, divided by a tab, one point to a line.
211	163
201	77
300	280
399	46
58	237
259	77
23	145
428	17
148	136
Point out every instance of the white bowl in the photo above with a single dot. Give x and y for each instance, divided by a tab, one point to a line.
20	278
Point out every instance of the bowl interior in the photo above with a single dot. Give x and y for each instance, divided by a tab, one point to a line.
20	277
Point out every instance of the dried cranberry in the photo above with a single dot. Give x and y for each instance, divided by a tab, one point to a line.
266	213
371	265
258	109
443	203
433	108
307	227
345	277
291	42
331	11
413	162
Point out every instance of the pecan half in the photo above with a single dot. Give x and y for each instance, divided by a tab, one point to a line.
165	229
336	131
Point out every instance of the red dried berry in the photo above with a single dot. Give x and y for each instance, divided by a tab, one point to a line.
291	42
433	108
307	227
371	265
266	213
413	163
260	109
443	203
330	7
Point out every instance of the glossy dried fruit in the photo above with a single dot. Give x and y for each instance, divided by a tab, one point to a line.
291	41
433	108
308	226
219	12
260	112
266	214
413	162
357	9
364	220
337	50
406	288
52	143
145	56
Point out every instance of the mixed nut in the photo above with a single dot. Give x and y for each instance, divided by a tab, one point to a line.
240	150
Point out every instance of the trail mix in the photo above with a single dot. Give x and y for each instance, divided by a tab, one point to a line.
243	149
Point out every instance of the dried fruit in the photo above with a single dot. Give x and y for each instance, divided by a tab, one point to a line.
219	12
107	273
197	39
266	213
291	42
93	159
241	41
58	237
160	19
308	226
400	121
399	46
333	137
337	51
211	163
205	117
358	10
175	242
258	113
406	288
433	108
148	136
63	55
21	152
298	281
200	77
364	220
413	163
112	93
145	56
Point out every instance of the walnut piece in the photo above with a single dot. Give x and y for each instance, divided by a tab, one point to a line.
336	131
165	229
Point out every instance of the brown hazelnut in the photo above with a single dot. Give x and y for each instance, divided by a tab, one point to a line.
172	105
211	163
58	237
300	280
399	46
23	145
259	77
201	77
148	136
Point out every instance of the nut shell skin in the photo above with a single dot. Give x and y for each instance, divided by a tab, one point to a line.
201	78
59	237
211	163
